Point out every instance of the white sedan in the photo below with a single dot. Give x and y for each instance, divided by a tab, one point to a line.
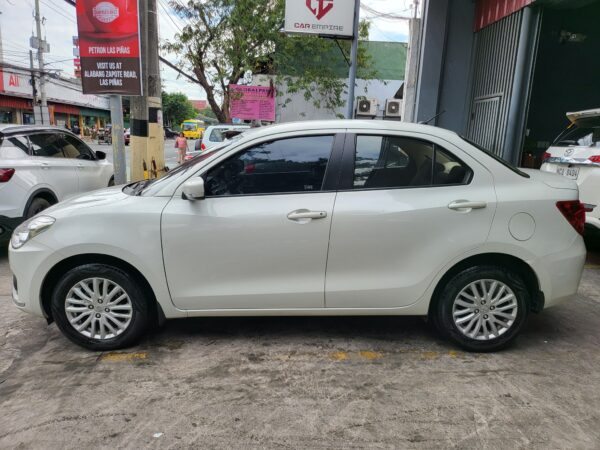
575	154
313	218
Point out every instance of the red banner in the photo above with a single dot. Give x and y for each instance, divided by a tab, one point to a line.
109	46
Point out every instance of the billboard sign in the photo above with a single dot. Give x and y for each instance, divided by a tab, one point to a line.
252	102
320	17
109	46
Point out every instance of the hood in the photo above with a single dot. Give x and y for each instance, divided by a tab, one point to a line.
92	199
551	179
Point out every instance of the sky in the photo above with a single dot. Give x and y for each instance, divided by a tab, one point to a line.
17	24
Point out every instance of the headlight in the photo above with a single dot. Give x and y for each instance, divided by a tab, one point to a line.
29	229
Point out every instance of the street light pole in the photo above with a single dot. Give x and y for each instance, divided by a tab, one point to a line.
353	61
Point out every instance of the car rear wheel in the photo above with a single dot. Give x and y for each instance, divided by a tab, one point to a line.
36	206
482	308
100	307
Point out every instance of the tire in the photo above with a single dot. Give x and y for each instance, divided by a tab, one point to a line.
131	329
36	206
482	308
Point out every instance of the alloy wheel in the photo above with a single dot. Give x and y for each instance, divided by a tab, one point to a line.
98	308
485	309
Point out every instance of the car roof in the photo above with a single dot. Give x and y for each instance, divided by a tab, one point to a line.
580	116
15	128
351	126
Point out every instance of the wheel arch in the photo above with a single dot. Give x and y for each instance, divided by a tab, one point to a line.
67	264
497	259
44	193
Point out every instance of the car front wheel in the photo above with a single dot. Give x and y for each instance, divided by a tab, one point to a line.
482	308
100	307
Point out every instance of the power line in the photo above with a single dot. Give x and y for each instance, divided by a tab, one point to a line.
162	5
54	8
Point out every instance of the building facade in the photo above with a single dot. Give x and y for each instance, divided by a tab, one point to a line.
67	104
505	72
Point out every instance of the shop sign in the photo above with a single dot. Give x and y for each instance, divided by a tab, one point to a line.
320	17
252	102
109	46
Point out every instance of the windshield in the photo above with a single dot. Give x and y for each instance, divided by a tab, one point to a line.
585	136
497	158
151	186
190	126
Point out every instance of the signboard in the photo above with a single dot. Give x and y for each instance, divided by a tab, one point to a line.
252	102
109	46
320	17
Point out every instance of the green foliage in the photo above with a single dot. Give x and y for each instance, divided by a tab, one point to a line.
177	108
226	41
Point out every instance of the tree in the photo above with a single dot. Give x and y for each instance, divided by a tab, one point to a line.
225	41
177	108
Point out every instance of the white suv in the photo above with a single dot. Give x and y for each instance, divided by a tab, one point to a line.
40	166
214	135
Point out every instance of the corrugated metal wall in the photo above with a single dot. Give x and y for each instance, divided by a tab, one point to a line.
494	68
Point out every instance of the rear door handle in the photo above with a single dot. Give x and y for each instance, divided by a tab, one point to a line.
80	166
466	205
45	166
304	214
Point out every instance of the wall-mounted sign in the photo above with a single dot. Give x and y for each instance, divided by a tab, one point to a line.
320	17
252	102
109	46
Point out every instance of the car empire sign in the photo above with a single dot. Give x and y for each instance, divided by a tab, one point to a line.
320	17
109	46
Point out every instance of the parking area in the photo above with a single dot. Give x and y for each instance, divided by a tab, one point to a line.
304	383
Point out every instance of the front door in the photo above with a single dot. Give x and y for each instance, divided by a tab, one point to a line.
398	219
259	239
89	174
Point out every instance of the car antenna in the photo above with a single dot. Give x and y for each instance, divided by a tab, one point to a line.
425	122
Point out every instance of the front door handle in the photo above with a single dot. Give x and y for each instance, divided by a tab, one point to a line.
466	205
80	166
304	214
45	166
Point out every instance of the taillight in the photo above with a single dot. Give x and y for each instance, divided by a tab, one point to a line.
6	175
203	146
546	156
595	159
574	212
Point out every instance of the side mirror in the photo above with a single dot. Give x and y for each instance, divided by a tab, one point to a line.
193	189
100	155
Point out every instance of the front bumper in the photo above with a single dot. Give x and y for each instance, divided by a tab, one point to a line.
29	265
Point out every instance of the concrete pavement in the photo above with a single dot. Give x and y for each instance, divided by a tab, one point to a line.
304	383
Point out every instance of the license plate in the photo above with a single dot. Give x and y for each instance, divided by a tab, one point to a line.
569	172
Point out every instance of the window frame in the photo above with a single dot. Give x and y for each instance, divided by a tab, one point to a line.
25	136
37	133
332	171
346	182
67	136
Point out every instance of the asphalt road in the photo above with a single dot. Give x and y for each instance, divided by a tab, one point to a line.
304	383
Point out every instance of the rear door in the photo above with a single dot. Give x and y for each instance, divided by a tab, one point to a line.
59	172
88	169
259	239
398	218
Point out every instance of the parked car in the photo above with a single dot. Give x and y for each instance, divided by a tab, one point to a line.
170	134
575	154
40	166
312	218
215	134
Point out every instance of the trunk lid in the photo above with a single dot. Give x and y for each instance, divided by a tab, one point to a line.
551	179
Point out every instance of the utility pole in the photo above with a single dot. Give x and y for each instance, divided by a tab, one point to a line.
41	48
147	135
118	139
412	66
33	88
353	61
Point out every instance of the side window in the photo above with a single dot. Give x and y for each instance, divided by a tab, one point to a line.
395	162
216	135
20	142
74	148
283	166
47	145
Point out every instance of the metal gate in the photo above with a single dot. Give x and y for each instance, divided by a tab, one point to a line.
494	69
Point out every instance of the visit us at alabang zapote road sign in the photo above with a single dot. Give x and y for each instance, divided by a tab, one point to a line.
320	17
109	46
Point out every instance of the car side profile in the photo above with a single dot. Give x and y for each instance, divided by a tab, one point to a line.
40	166
310	219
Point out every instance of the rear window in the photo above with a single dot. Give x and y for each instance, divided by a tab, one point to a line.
497	158
586	136
216	135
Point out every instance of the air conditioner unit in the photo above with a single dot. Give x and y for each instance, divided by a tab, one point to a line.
393	108
367	107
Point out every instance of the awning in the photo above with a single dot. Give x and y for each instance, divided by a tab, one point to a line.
488	12
95	112
65	109
7	101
